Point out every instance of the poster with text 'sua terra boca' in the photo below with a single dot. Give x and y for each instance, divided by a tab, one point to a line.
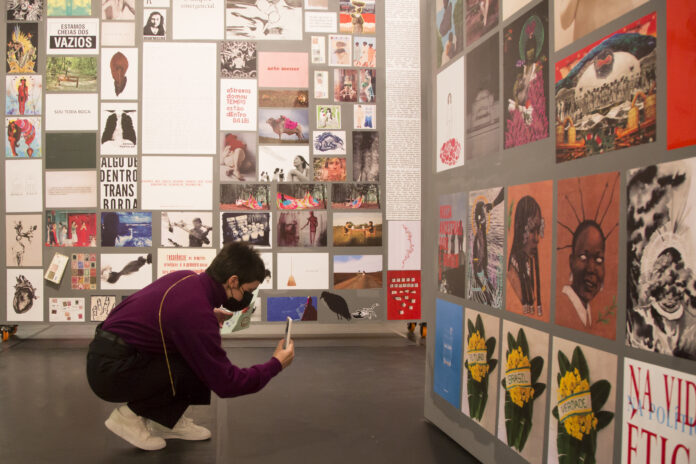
528	283
606	93
525	77
587	253
661	300
451	258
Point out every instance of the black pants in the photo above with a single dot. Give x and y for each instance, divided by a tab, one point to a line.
119	373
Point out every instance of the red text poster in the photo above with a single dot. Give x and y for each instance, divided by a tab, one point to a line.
403	295
659	419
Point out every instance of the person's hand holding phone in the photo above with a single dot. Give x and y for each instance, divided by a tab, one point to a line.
221	314
284	355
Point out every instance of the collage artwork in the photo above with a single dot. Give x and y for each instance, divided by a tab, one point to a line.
277	108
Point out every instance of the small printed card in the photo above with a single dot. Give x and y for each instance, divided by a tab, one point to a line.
56	268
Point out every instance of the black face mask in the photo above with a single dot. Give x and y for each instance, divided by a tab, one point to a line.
233	305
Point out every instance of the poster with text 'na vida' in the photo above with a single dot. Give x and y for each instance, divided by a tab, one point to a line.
659	410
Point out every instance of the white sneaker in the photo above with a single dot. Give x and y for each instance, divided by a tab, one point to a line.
185	429
131	427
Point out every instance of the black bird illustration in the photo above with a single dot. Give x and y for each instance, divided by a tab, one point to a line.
337	304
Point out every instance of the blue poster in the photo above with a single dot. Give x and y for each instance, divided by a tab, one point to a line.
298	308
447	371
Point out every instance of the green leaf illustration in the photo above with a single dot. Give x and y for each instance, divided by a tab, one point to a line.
479	327
490	347
564	364
600	392
512	344
580	363
603	419
537	364
522	341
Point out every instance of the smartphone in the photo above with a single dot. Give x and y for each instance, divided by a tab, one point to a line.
288	330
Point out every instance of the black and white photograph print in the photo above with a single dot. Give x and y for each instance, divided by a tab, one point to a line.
154	24
661	312
253	228
263	20
119	125
366	156
187	229
25	10
238	59
482	100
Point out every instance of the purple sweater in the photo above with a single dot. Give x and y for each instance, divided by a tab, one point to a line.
190	329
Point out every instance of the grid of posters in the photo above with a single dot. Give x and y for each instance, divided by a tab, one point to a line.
111	109
554	240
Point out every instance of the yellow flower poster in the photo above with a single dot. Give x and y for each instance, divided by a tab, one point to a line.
480	373
583	403
522	399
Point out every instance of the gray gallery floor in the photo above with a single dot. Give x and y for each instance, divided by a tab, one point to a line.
344	400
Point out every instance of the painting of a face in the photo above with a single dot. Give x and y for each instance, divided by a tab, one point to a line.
587	262
669	279
533	232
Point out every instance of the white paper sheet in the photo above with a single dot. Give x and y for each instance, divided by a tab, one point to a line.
187	103
130	271
66	310
73	112
198	20
238	105
320	22
308	271
177	183
116	34
71	189
178	259
23	186
72	36
404	245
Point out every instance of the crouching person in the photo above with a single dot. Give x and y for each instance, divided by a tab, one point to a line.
160	350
